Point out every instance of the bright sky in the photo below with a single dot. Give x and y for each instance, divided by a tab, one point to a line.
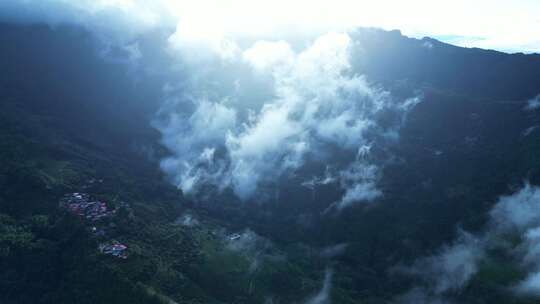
499	24
508	25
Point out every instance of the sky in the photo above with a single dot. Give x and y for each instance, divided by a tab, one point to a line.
495	24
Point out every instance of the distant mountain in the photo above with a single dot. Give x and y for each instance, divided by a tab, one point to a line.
472	72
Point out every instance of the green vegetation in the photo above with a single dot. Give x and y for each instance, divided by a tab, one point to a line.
48	255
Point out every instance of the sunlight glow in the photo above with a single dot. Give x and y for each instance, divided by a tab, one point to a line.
496	23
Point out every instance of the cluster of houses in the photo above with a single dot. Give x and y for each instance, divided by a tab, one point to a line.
81	205
115	249
92	211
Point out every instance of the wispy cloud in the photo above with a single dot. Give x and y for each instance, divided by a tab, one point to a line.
323	296
516	217
314	104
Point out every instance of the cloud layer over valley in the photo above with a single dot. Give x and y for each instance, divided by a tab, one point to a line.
289	110
513	229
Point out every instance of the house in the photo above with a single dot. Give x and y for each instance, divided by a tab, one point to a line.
115	249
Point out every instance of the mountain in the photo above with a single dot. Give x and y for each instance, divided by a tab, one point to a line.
78	117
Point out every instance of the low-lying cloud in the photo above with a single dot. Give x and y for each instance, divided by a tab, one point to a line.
519	215
311	106
514	217
533	104
323	296
451	268
256	249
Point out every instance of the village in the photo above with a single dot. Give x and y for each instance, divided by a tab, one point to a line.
93	213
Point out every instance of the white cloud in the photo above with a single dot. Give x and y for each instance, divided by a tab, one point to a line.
530	130
531	285
187	219
266	54
316	103
261	150
359	192
196	43
533	104
515	216
501	24
194	139
328	178
323	296
359	181
451	268
256	249
519	214
333	251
